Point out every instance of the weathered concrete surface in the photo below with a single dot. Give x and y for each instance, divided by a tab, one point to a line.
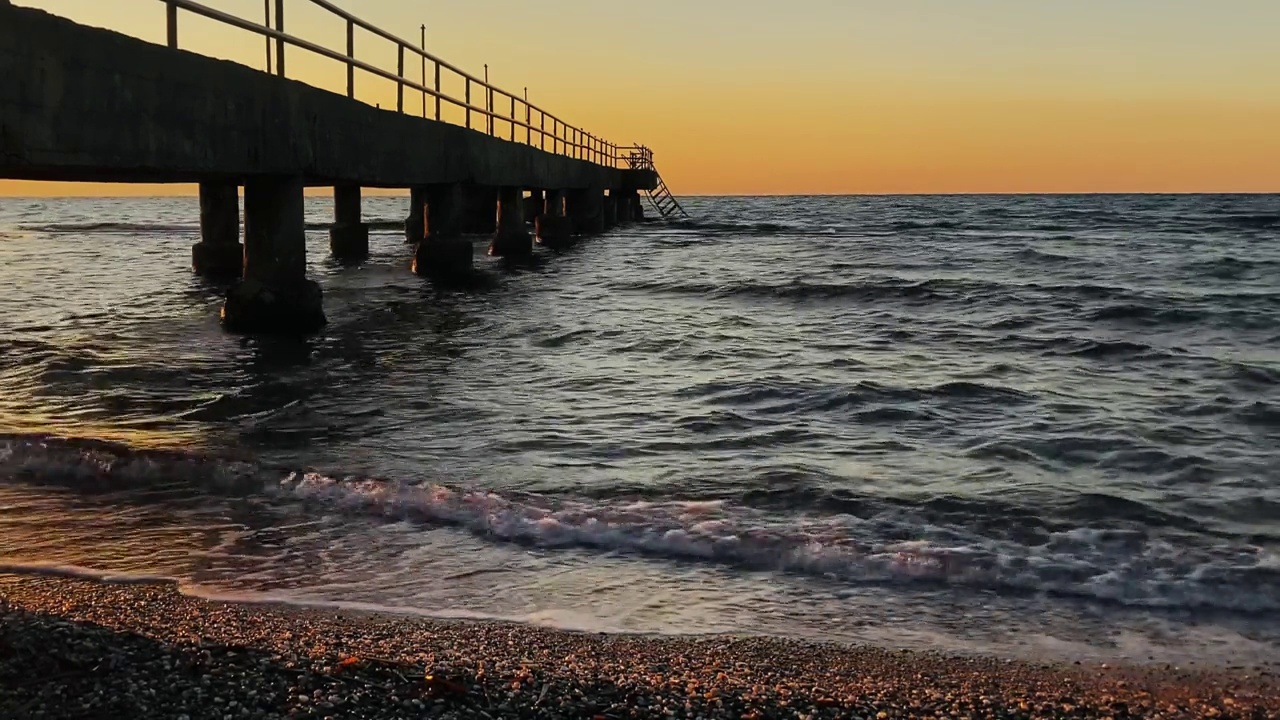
586	209
274	295
511	239
415	224
444	253
533	205
610	212
219	253
349	234
552	227
86	104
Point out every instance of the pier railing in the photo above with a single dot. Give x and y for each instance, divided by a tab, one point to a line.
488	107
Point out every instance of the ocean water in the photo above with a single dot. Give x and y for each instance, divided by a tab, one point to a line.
1034	426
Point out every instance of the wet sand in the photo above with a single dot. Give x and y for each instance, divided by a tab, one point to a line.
79	649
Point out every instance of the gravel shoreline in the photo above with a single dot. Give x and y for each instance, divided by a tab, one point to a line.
79	649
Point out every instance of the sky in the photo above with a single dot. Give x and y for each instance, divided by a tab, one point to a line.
835	96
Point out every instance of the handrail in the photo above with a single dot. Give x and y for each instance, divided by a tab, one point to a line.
564	139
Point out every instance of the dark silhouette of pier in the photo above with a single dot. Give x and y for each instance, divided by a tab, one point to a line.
87	104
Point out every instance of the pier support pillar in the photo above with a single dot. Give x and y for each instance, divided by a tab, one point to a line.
275	295
415	228
553	227
349	237
610	212
533	206
219	253
481	211
511	239
444	252
586	207
630	209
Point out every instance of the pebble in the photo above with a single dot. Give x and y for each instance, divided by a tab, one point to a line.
78	649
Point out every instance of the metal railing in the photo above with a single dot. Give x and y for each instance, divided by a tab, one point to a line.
539	128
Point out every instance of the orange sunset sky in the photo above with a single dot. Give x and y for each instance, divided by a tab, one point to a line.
836	96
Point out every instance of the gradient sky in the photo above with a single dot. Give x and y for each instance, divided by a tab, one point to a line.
840	96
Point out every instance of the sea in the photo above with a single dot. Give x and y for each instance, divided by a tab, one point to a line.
1032	426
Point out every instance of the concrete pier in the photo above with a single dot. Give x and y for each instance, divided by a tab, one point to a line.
415	227
511	239
274	295
586	208
553	227
533	206
481	216
349	235
610	212
624	208
637	207
219	253
444	252
84	104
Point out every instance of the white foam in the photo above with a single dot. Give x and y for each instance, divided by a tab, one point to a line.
77	572
1105	565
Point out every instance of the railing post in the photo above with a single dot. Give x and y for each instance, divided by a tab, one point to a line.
400	83
280	42
171	21
542	130
351	55
468	103
513	118
438	95
528	120
488	102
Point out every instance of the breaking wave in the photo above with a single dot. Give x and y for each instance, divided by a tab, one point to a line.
1130	565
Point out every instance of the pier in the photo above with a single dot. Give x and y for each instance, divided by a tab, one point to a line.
86	104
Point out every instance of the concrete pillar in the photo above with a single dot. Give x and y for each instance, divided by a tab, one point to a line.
533	206
415	228
610	212
630	208
552	227
622	206
511	239
348	237
554	204
482	211
275	295
586	207
219	253
444	252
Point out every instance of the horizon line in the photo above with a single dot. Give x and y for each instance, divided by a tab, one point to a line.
1014	193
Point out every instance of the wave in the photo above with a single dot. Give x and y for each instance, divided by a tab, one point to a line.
1260	221
1228	268
730	228
868	290
131	228
1089	348
1121	566
1146	314
115	228
784	396
908	225
76	572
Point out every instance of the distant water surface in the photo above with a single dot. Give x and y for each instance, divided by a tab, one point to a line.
1024	425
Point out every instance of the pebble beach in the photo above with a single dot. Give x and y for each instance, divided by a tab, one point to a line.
80	649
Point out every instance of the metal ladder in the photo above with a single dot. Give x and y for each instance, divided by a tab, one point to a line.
665	203
660	197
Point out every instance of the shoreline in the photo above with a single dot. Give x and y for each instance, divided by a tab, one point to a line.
146	650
